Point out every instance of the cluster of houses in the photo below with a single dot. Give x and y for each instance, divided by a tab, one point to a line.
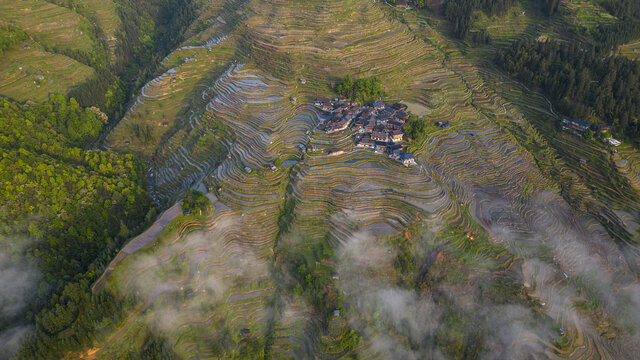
579	127
376	126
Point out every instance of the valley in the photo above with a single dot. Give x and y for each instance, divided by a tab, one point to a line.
508	238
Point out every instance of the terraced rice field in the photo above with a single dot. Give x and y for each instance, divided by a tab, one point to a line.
172	110
106	16
19	69
631	50
587	15
493	175
50	24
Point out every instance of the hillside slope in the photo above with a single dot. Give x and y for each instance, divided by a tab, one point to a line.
489	247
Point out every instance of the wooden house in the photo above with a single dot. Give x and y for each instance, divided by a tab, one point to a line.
397	136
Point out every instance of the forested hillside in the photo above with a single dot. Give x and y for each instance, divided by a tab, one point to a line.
65	209
580	82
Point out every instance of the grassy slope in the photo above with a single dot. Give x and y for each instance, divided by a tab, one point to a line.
49	26
60	73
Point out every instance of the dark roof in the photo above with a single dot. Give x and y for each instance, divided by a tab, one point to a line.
407	156
399	106
377	103
397	132
580	122
394	123
401	114
379	134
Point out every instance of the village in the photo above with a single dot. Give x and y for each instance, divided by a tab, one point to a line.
375	126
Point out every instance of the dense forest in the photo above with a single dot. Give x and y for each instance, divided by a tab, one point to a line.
459	12
581	82
550	7
627	28
66	209
362	90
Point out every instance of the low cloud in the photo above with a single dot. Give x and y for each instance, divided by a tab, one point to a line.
18	281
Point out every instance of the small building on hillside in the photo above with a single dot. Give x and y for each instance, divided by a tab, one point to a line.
378	105
402	4
381	146
395	153
402	115
379	136
366	142
408	159
394	125
614	142
399	106
576	125
605	128
396	135
339	125
303	81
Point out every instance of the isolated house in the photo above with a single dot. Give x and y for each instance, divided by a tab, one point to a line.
576	125
614	142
